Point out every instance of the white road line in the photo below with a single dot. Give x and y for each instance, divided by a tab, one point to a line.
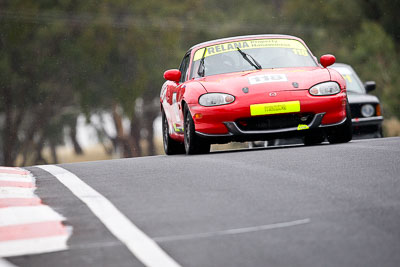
143	247
231	231
30	214
33	246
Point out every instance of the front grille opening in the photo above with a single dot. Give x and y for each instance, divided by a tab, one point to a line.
274	122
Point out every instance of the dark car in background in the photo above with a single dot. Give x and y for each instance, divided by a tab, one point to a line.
365	109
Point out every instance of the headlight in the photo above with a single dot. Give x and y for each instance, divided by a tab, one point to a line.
215	99
326	88
367	110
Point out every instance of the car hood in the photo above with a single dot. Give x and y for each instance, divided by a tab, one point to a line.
266	80
356	98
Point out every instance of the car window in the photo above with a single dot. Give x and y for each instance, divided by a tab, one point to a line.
269	53
184	67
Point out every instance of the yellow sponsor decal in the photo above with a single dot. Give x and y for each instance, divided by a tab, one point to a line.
178	129
302	127
275	108
296	46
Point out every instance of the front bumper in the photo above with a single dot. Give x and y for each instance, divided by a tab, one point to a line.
357	122
225	121
367	127
235	133
212	119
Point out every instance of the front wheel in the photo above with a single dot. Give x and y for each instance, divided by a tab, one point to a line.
342	133
193	143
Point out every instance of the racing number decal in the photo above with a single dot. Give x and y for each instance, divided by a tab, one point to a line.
267	78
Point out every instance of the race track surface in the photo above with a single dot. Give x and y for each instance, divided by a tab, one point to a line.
325	205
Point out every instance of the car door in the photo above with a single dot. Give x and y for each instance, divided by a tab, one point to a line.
177	93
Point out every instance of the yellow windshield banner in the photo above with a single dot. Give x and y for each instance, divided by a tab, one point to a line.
298	47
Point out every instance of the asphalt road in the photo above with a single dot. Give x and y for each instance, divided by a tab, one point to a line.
345	198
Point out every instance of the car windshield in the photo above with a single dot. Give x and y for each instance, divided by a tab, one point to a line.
269	53
353	83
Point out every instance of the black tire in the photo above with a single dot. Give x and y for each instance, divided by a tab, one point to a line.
342	133
193	143
314	138
171	147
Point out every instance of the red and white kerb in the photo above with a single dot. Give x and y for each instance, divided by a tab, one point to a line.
27	226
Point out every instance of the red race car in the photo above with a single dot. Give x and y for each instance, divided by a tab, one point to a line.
248	88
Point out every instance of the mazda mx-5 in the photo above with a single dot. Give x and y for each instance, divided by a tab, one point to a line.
248	88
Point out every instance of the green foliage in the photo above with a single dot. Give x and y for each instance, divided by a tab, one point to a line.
375	56
385	13
357	33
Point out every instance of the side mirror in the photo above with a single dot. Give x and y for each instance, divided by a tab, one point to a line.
327	60
172	75
370	86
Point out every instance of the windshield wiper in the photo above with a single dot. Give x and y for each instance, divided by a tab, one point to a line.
246	56
201	69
